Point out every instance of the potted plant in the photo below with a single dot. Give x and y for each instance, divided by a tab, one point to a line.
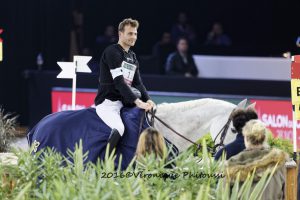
7	134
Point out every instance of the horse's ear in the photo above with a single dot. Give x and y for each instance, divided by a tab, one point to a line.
252	105
242	104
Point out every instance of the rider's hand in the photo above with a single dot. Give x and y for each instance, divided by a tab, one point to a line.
152	104
139	103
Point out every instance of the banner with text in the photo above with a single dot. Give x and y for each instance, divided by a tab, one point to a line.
277	115
62	99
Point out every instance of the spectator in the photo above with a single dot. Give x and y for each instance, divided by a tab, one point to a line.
151	142
216	36
239	118
183	29
162	49
181	62
297	49
298	41
76	34
102	41
257	158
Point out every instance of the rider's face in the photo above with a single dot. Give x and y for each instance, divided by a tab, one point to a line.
129	36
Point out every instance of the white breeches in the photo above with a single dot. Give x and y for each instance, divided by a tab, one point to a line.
109	112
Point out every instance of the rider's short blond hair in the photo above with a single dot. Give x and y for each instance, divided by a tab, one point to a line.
131	22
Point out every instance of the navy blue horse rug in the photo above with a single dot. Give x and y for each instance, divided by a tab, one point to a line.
62	130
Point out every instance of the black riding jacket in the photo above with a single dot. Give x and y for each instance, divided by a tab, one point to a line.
119	70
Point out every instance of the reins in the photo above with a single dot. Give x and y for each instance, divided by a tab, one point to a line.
151	121
223	131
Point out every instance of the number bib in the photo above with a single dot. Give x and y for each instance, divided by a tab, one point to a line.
128	72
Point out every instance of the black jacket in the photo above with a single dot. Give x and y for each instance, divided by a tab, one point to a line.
233	148
112	83
176	66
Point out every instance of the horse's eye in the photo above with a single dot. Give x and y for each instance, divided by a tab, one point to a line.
233	130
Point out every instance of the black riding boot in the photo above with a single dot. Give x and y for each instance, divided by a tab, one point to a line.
113	139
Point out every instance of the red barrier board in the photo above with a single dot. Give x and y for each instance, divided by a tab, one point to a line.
277	115
62	100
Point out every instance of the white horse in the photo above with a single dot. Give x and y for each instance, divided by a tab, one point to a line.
193	119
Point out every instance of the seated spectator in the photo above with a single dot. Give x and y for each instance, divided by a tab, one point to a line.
183	29
257	158
102	41
151	142
239	118
162	49
297	48
181	62
216	36
109	36
298	41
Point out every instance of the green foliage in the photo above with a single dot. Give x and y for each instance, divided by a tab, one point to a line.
280	143
283	144
47	175
7	130
209	143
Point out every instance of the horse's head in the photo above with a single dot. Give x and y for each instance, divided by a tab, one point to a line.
222	125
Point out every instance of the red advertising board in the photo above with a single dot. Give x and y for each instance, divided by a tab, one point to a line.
277	115
62	99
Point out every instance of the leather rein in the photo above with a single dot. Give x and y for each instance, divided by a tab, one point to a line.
223	131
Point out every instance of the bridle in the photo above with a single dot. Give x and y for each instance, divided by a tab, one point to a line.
223	130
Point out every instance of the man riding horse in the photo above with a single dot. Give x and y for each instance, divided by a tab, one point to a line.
120	83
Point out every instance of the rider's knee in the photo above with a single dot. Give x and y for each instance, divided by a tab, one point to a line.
120	128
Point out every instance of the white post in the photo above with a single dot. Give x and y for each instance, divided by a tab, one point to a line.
69	70
294	132
74	92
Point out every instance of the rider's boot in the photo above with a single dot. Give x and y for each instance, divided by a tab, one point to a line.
113	139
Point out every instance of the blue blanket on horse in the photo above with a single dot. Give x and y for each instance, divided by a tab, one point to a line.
63	129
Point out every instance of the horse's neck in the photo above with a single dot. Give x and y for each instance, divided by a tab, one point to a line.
192	119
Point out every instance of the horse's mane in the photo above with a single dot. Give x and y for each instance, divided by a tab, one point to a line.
187	105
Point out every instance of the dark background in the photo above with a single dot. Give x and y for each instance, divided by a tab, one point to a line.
256	27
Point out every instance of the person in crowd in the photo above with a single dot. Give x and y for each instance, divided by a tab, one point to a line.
151	142
239	118
162	49
216	37
76	34
182	28
257	158
181	62
298	41
102	41
297	48
120	83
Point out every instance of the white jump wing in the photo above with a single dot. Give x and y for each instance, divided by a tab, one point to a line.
68	70
81	63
